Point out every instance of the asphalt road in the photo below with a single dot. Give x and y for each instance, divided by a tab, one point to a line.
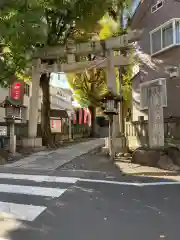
101	210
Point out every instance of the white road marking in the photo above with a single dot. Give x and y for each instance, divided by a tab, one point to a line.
21	211
31	190
158	184
72	180
108	182
136	184
38	178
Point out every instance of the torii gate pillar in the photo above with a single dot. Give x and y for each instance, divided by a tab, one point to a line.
32	140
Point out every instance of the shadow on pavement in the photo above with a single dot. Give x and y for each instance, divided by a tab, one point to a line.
99	166
100	211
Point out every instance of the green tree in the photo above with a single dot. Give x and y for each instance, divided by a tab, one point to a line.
90	85
88	88
26	25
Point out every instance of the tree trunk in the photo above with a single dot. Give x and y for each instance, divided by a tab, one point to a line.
92	111
45	110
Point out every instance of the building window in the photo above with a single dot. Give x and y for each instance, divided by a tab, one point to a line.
153	8
157	6
177	31
26	89
165	36
156	41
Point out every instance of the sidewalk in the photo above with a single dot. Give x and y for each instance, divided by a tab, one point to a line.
51	160
132	169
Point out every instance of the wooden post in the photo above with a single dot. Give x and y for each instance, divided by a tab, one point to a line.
70	125
12	147
70	129
114	135
155	116
110	145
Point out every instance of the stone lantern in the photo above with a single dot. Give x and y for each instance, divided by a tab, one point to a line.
13	113
110	103
110	106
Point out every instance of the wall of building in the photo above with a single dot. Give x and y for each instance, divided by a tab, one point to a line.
154	68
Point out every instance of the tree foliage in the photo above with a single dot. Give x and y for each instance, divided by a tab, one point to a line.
28	24
82	84
90	85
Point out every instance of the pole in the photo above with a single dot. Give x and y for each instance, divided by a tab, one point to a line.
120	112
12	147
111	143
70	125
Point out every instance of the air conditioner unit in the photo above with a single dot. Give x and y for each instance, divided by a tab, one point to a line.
174	74
172	71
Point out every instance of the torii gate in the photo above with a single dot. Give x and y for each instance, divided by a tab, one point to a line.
108	62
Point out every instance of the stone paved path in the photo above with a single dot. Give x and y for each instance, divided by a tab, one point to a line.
51	160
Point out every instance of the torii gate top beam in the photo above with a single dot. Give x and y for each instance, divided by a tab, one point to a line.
94	47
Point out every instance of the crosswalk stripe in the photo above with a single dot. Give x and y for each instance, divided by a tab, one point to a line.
30	190
38	178
25	211
21	211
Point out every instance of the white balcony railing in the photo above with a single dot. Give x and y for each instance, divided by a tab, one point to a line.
165	36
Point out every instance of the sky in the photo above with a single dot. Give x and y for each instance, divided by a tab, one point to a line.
136	2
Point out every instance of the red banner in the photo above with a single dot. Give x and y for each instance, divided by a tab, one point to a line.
85	116
80	116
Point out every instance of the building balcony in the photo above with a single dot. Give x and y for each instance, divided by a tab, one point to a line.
165	41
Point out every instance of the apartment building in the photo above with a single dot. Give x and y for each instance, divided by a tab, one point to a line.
158	51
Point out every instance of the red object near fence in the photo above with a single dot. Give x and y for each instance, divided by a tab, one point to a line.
85	116
80	116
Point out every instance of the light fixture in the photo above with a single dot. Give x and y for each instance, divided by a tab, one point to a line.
110	103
